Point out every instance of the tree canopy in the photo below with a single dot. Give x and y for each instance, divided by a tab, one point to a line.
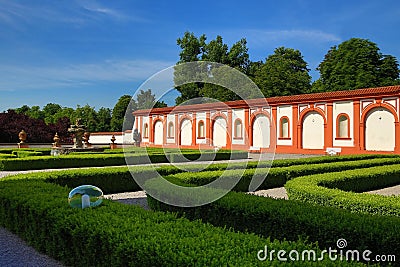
356	63
284	73
353	64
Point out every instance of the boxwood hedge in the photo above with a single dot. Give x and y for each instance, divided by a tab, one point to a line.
277	176
291	220
98	160
124	235
328	190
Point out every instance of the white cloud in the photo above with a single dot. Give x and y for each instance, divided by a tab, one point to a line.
260	37
14	78
76	12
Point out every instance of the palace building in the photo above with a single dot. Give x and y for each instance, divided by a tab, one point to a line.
349	122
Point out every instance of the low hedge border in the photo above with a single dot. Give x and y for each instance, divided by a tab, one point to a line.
277	176
124	235
275	163
291	220
327	190
97	160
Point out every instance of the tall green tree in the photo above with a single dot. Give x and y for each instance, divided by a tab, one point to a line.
118	113
196	48
284	73
88	117
192	48
356	63
49	111
103	120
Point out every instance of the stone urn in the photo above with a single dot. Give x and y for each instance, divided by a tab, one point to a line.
22	138
56	140
113	145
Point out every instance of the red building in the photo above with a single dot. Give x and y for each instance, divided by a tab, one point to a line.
355	121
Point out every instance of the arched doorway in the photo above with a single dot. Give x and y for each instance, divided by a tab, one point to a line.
261	131
313	131
186	133
379	130
158	133
219	132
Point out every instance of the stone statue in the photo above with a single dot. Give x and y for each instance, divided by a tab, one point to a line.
137	138
77	130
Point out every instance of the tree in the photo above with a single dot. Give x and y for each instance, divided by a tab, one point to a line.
356	63
11	123
35	113
49	110
284	73
195	49
118	113
88	116
103	120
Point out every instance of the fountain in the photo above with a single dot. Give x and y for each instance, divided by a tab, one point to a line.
81	141
77	130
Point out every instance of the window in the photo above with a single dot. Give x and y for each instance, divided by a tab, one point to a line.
146	131
200	130
284	128
170	130
343	126
238	130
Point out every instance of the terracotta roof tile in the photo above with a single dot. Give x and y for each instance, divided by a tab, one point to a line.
282	100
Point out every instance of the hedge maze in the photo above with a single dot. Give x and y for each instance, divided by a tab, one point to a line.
325	204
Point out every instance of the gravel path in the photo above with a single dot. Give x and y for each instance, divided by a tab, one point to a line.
14	252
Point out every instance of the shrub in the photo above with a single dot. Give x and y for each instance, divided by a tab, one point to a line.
123	235
327	189
275	176
291	220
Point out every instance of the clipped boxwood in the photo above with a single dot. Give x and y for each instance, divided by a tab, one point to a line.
277	176
93	160
276	163
327	190
291	220
124	235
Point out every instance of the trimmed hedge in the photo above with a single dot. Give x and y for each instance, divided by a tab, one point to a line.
92	160
124	235
291	220
275	163
327	190
277	176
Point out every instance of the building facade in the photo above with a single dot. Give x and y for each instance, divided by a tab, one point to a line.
355	121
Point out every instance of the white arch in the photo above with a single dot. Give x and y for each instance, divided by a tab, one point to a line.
158	133
219	132
186	132
313	131
379	130
261	131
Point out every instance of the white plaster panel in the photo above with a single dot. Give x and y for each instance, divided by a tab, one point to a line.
158	133
238	114
284	111
261	131
346	107
366	102
313	131
379	130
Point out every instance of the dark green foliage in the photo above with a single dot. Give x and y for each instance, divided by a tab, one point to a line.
123	235
284	73
106	159
327	190
356	63
291	220
276	176
24	153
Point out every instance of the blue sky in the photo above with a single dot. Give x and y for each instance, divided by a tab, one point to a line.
92	52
